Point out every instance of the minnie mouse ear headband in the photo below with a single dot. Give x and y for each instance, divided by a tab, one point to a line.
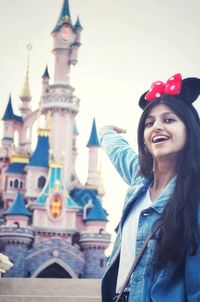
186	90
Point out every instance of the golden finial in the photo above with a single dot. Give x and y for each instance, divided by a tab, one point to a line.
26	91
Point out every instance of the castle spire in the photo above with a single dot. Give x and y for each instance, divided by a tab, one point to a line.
78	24
8	114
18	207
25	95
64	17
93	140
46	73
93	162
45	81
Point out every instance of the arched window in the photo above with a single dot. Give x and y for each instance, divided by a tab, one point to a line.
41	182
16	138
16	183
11	183
101	262
17	224
21	184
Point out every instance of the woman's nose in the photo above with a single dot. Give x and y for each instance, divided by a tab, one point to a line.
158	125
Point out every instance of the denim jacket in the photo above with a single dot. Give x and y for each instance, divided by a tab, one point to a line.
173	283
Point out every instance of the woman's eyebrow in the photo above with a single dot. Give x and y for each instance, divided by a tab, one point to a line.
163	114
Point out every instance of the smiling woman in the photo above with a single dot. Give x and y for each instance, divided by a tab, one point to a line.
164	133
164	198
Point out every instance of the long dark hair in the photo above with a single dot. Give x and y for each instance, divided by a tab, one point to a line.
179	233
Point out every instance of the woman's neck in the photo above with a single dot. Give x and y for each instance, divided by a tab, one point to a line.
163	172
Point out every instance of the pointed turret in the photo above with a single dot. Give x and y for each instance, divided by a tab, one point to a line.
78	25
96	213
46	73
37	169
93	145
64	17
8	114
93	140
9	119
74	52
17	235
25	95
45	81
18	207
40	157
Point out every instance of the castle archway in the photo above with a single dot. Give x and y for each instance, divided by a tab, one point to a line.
54	268
54	271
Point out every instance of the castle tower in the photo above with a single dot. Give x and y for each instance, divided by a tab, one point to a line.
45	81
94	175
16	235
25	94
94	240
12	122
59	100
66	41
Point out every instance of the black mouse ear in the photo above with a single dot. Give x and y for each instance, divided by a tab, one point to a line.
190	90
142	101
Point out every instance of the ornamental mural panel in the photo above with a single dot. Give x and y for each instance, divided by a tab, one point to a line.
56	206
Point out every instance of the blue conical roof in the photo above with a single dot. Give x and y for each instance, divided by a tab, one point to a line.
46	73
64	17
78	24
9	114
93	140
40	157
82	196
18	207
96	213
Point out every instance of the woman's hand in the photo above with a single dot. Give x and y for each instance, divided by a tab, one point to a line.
112	127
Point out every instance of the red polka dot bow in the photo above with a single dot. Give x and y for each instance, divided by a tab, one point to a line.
172	86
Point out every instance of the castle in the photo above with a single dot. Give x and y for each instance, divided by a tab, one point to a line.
52	226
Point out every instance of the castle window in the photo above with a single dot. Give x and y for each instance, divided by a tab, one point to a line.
41	182
101	262
17	224
21	184
11	184
16	183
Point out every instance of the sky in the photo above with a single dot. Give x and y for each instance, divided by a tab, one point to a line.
126	45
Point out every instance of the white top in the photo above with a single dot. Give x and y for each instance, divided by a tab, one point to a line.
129	234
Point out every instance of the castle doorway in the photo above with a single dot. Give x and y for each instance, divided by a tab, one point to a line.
54	271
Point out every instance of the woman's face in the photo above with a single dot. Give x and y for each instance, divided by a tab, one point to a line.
164	132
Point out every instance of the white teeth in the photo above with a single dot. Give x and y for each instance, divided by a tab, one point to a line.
159	138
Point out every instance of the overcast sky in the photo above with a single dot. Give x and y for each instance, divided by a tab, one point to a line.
126	45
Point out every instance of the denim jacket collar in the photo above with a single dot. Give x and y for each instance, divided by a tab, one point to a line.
159	204
140	187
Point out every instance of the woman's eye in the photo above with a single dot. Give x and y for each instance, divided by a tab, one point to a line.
148	124
169	120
